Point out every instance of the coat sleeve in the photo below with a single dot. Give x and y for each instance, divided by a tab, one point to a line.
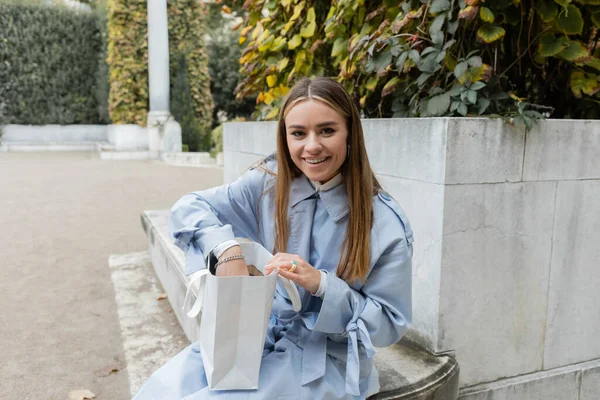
199	221
380	313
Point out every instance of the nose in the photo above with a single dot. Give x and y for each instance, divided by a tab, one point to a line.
313	144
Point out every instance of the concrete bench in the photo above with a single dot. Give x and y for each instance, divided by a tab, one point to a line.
406	371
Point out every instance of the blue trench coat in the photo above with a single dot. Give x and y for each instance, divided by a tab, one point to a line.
325	351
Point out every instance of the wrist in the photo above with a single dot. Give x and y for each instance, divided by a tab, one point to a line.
232	251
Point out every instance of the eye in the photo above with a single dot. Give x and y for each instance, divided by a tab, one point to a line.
328	131
297	134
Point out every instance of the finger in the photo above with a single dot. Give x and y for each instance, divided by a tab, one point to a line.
268	269
287	265
292	276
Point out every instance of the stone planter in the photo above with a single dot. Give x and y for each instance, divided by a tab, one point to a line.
24	138
220	159
128	137
506	257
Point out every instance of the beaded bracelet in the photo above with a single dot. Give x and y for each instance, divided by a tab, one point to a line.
234	257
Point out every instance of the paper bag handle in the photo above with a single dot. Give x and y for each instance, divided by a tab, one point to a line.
201	276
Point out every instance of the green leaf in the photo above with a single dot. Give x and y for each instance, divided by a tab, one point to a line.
472	96
456	90
486	15
452	27
570	21
490	33
460	69
339	46
439	6
295	42
477	86
596	20
372	83
279	44
454	106
462	109
437	23
448	44
483	105
593	62
475	61
440	57
310	17
414	55
563	3
550	45
266	44
390	87
422	79
437	37
308	30
576	52
428	50
438	105
382	60
401	60
547	10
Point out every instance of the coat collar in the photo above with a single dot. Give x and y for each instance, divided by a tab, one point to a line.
335	199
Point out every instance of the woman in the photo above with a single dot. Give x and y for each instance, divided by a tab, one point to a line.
334	232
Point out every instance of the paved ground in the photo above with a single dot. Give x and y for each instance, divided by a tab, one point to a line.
61	217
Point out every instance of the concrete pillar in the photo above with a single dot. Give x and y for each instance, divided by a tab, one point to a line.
164	133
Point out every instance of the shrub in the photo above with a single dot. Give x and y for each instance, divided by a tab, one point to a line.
49	58
128	61
217	140
429	58
224	53
182	110
186	38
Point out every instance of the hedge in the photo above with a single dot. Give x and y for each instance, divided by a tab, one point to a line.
49	65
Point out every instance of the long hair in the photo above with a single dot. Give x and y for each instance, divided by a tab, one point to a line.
359	179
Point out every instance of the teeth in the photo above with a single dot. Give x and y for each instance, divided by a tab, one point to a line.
320	160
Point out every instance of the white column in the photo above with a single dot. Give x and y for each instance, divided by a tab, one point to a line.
164	133
158	55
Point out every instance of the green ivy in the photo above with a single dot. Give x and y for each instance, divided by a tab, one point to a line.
516	58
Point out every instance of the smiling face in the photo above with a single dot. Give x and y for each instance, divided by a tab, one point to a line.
316	137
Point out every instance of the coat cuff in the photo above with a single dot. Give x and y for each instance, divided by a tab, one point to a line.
339	306
322	285
200	246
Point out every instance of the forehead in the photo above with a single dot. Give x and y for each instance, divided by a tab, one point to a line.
311	112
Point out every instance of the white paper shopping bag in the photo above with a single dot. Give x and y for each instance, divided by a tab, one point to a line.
235	317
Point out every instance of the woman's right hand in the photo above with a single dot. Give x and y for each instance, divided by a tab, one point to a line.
235	267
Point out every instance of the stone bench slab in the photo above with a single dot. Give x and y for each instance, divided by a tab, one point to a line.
405	370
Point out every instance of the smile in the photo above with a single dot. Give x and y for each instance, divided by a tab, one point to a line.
315	160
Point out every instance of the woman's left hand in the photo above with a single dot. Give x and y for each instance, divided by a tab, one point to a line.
304	275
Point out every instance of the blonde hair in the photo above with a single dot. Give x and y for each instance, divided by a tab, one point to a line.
359	179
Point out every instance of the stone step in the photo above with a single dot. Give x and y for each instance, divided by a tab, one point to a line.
188	159
406	371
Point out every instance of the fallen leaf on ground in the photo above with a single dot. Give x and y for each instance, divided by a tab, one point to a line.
106	371
81	395
162	296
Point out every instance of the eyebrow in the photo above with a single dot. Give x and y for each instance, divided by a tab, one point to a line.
319	125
